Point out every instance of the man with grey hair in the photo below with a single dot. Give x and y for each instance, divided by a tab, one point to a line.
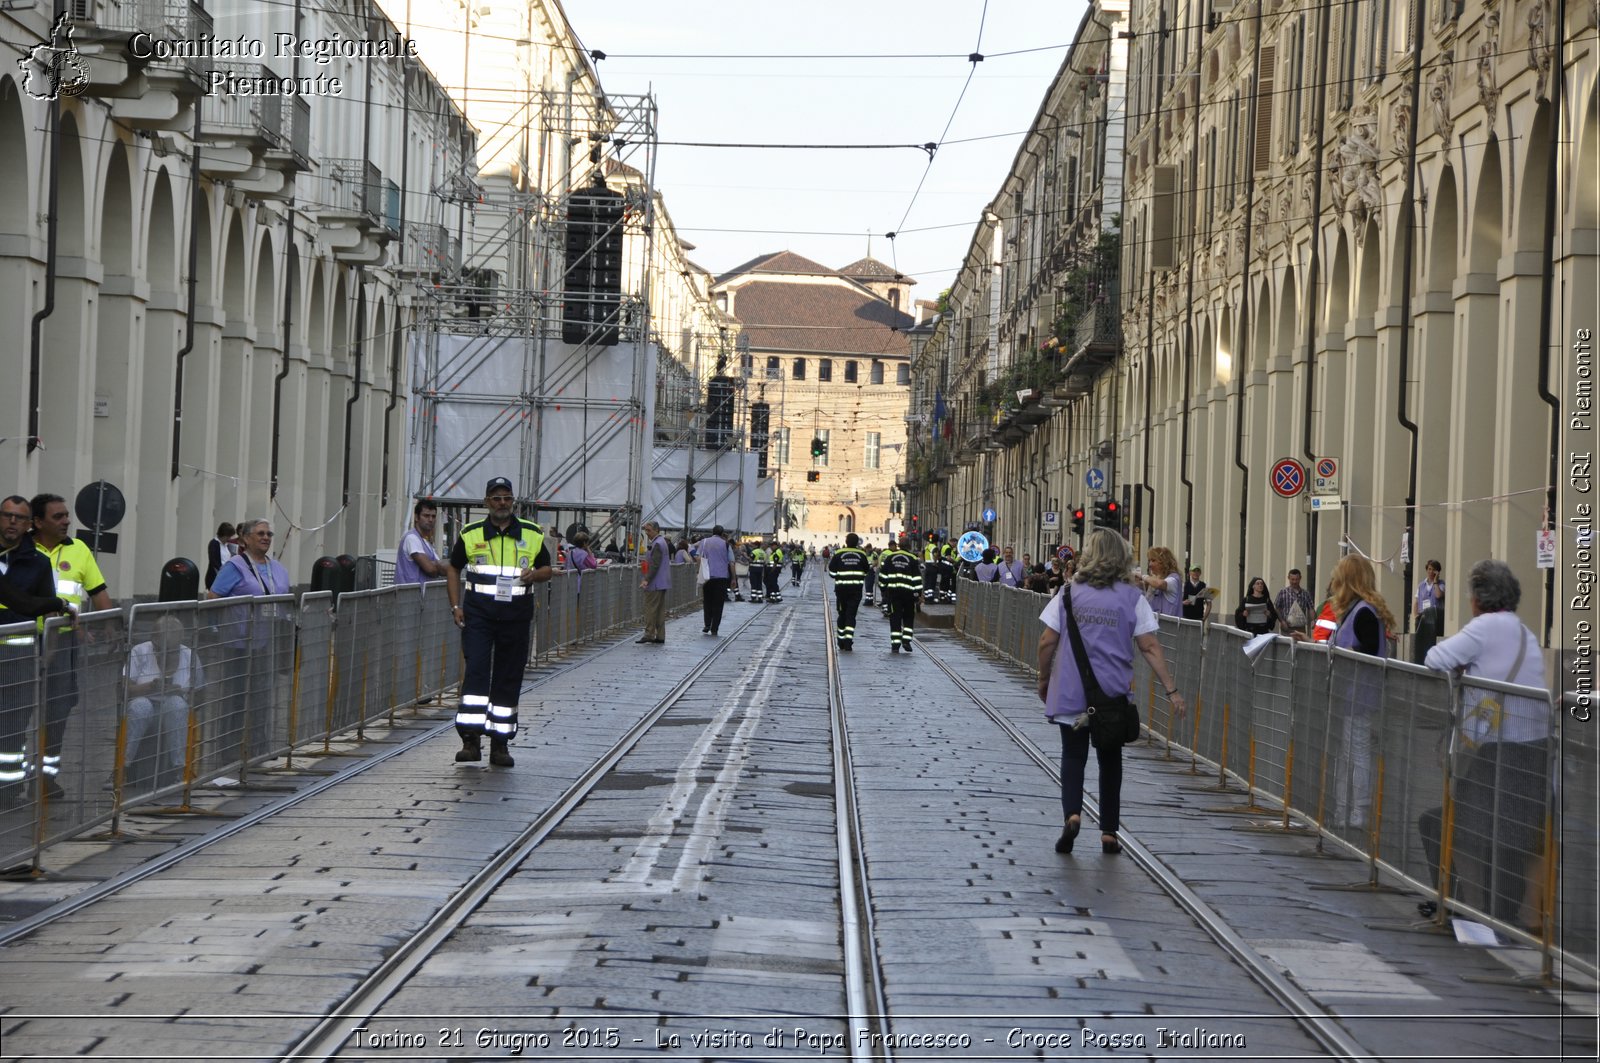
1502	782
657	581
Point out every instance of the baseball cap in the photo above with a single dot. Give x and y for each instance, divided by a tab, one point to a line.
497	482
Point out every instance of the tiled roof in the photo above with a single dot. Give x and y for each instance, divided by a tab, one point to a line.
777	262
825	318
871	269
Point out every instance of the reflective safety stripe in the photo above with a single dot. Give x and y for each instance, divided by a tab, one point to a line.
501	727
48	759
470	719
19	640
491	571
12	776
52	769
66	588
474	700
13	758
489	589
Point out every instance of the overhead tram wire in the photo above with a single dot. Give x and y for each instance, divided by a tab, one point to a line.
973	60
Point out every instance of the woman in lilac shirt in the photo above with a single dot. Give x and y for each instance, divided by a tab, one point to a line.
1162	586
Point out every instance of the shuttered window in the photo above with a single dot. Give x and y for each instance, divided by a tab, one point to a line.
1261	149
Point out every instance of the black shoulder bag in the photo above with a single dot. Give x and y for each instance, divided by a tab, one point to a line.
1113	719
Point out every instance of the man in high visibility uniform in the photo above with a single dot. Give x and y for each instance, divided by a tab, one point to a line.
493	568
27	592
901	575
774	572
80	585
849	568
758	573
872	574
930	568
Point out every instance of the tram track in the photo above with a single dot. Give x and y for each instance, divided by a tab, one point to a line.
326	1039
1299	1006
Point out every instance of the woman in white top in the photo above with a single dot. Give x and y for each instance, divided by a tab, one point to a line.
162	676
1502	784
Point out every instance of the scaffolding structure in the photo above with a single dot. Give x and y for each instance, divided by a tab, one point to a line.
496	390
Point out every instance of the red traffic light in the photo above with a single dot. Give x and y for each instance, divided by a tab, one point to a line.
1111	507
1077	514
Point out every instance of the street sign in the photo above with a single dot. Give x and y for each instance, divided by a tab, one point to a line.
1325	480
1288	477
972	545
1065	553
1095	480
1545	549
1321	502
1051	521
988	516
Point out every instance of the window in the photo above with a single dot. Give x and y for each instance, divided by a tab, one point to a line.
780	446
873	447
825	369
902	374
822	434
877	372
773	368
850	372
747	365
799	369
894	298
847	524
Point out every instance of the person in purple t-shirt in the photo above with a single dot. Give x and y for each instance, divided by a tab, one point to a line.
416	561
718	557
657	581
1112	618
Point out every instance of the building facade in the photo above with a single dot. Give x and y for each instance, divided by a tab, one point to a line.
828	351
1310	267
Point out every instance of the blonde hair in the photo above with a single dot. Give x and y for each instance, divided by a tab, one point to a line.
1104	560
1354	581
1160	555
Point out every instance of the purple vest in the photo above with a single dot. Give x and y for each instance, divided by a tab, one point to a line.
250	623
715	552
1105	621
1364	689
1168	601
660	565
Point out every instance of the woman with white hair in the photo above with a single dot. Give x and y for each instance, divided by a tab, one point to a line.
1502	783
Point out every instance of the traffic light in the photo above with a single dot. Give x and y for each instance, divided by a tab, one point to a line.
1107	514
688	488
819	446
813	476
1077	521
592	285
914	523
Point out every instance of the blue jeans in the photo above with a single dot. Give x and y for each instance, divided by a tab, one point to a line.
1074	755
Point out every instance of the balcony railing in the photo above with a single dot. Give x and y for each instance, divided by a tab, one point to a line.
356	187
258	118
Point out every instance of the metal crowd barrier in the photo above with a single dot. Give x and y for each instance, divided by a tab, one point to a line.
1382	756
115	710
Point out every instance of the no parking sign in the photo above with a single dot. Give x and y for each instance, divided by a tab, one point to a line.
1288	477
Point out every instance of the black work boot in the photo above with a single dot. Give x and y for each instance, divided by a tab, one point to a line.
471	749
499	755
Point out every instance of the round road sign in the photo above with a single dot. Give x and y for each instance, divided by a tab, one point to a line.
1326	467
972	545
1288	477
988	516
100	505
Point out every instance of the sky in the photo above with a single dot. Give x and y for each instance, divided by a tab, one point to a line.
736	204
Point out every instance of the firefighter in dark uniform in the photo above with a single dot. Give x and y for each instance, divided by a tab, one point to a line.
849	568
493	567
949	559
900	575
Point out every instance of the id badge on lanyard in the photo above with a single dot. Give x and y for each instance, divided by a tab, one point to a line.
502	588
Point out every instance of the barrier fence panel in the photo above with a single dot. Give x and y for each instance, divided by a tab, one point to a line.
1579	801
1413	740
403	630
83	658
160	682
439	655
1501	799
271	678
360	628
1273	710
20	723
1203	679
1235	694
1354	703
1312	732
314	672
221	706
